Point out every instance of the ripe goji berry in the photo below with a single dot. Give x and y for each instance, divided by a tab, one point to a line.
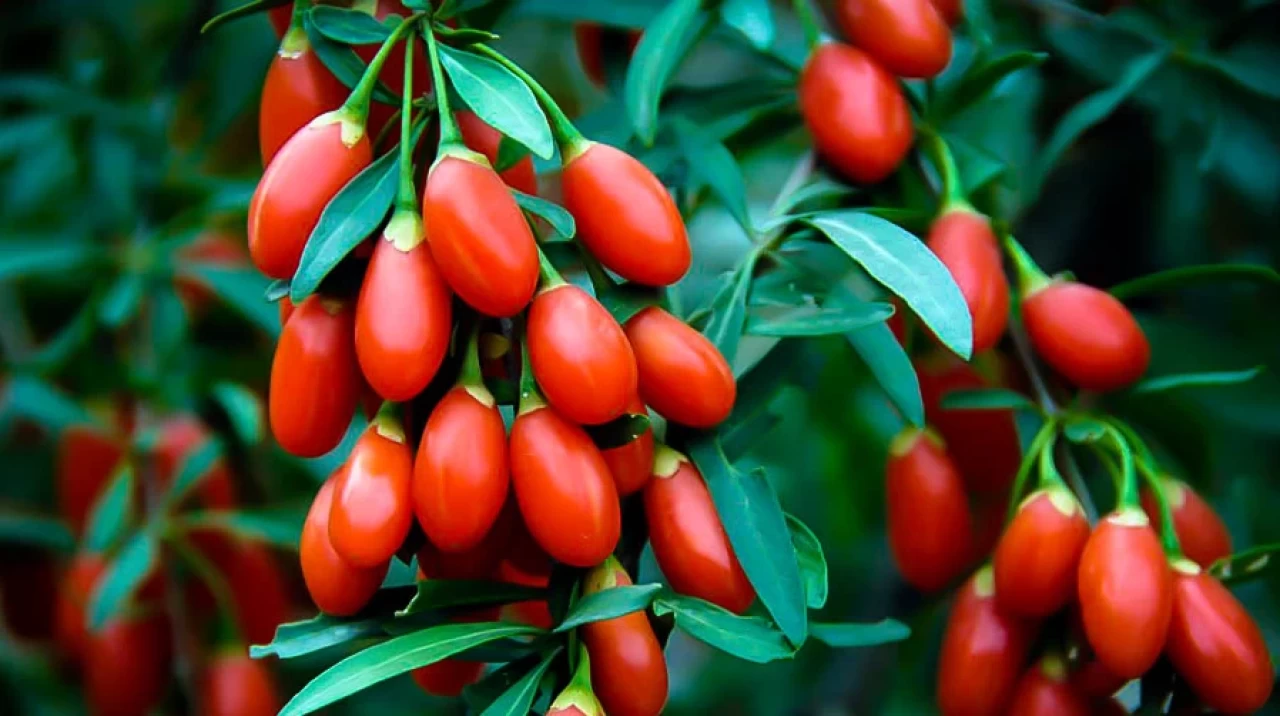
951	10
909	38
1126	593
628	670
127	665
624	215
580	356
631	465
337	587
930	531
298	89
212	247
983	650
688	538
1038	556
87	457
235	685
1201	532
449	677
682	375
856	112
964	242
315	381
480	137
179	437
372	508
1045	691
567	498
1086	335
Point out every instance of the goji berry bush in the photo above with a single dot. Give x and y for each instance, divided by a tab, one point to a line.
639	357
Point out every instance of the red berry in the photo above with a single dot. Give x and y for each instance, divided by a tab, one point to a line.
86	457
628	670
1201	532
966	245
910	38
235	685
298	89
337	587
78	582
480	137
127	666
930	531
632	464
1086	335
983	443
983	650
681	373
1045	691
1037	558
951	10
315	382
372	508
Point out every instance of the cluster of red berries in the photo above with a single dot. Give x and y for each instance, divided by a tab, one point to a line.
580	368
126	664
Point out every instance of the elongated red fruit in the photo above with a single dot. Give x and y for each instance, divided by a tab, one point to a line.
1045	691
298	89
632	464
235	685
479	238
930	531
964	242
580	356
337	587
628	670
688	538
1126	593
87	457
462	474
856	112
910	38
1038	556
310	169
1201	532
1086	335
372	506
567	498
127	665
625	216
983	651
983	443
681	373
405	312
1215	645
480	137
315	382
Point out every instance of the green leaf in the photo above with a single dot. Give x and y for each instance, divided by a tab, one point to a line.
41	403
349	27
344	63
623	301
436	594
242	289
664	44
1084	430
729	312
195	465
321	632
122	300
349	218
983	77
821	190
891	366
35	530
1245	566
394	657
713	163
499	98
843	635
813	563
243	408
276	290
518	699
22	257
757	529
615	13
609	604
559	218
1186	276
752	18
168	323
1251	65
510	153
249	8
1095	108
1166	383
135	562
112	513
987	399
619	431
280	526
748	638
825	321
906	267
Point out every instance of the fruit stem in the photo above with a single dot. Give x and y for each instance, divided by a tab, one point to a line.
1049	475
295	42
406	198
571	142
207	573
450	135
530	398
1146	468
471	378
808	22
356	108
387	422
1031	277
1127	489
1034	453
952	195
548	275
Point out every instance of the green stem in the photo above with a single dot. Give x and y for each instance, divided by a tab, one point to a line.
1147	469
572	143
1127	491
530	398
953	197
1049	475
471	377
1034	453
547	273
406	197
356	108
295	42
1031	277
450	135
808	22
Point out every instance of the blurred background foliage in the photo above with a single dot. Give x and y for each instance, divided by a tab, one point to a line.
128	139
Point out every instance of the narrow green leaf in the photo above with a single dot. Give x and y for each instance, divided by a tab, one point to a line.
819	190
729	312
825	321
748	638
436	594
1166	383
168	323
907	267
23	257
499	98
350	218
280	526
1251	65
609	604
891	366
1095	108
559	218
813	563
242	289
664	44
123	577
983	77
844	635
619	431
276	290
35	530
1245	566
348	26
344	63
40	402
757	529
112	513
195	465
249	8
394	657
633	14
122	300
986	399
307	637
713	163
510	153
752	18
518	700
1084	430
244	410
1179	278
